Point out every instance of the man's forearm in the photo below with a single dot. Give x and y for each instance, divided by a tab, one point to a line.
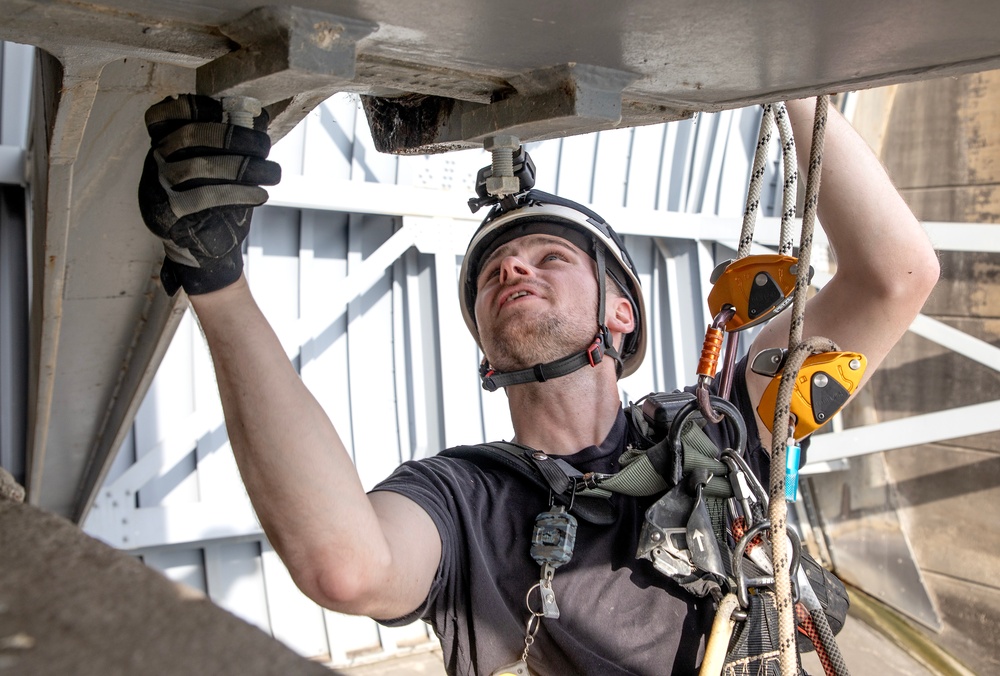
300	478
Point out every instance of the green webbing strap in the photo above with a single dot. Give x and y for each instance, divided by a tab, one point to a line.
700	453
639	478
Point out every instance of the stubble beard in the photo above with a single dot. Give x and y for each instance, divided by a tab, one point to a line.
516	345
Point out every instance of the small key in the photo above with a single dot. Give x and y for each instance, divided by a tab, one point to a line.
550	608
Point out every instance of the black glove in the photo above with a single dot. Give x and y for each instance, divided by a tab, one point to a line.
199	184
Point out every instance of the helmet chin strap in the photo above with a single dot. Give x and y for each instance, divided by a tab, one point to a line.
592	356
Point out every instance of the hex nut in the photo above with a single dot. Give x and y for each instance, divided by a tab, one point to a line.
503	185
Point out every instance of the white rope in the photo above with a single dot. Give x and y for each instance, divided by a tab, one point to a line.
789	192
798	350
773	113
756	181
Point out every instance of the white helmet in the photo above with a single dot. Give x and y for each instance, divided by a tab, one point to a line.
537	212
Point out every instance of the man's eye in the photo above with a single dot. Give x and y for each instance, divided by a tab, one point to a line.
487	275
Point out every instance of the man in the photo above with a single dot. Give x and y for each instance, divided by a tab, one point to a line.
545	283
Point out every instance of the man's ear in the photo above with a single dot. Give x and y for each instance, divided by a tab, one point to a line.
620	318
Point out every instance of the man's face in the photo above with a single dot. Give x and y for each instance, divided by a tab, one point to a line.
536	302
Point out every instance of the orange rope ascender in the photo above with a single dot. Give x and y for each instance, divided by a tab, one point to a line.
811	381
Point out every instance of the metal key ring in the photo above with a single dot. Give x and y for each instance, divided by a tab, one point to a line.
527	602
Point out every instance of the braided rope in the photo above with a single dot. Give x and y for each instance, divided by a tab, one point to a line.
798	350
756	181
777	114
829	643
789	187
718	640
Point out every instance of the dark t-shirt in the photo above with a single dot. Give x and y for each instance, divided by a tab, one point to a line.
618	614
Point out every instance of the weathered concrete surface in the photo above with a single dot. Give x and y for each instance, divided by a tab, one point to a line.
940	141
72	605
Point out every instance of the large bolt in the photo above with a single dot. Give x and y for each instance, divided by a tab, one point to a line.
241	110
502	148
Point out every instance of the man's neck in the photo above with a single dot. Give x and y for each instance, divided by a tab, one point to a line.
564	415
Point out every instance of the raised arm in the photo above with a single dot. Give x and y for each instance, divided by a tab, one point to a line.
886	266
373	555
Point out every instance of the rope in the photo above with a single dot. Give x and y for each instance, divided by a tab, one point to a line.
777	114
718	640
756	181
789	187
798	350
818	628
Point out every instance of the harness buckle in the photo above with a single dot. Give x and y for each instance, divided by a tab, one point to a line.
591	480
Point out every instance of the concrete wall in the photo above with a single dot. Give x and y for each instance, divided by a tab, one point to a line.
940	141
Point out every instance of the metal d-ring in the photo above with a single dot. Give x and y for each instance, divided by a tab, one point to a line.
724	406
743	583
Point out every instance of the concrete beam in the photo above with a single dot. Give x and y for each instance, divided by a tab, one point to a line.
536	105
285	51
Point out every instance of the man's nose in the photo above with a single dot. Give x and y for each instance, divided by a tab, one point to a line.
513	267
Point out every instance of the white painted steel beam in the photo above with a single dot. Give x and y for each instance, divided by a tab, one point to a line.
957	341
12	165
984	237
395	200
916	430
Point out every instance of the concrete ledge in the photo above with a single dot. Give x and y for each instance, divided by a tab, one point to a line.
70	604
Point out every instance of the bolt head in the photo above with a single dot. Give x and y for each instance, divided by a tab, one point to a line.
656	536
855	364
498	141
821	380
760	279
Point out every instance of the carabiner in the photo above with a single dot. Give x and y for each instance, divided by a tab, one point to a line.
709	363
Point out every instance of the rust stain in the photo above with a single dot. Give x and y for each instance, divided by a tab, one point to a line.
327	34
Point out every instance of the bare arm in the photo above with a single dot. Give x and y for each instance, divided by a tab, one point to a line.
886	266
373	555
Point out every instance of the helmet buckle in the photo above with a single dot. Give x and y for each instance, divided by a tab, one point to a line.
596	352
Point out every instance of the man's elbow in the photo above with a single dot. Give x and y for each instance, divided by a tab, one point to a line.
920	276
342	586
905	279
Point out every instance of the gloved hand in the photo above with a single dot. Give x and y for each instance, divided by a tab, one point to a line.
199	184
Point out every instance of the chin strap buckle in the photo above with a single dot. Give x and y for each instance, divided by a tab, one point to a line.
595	353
